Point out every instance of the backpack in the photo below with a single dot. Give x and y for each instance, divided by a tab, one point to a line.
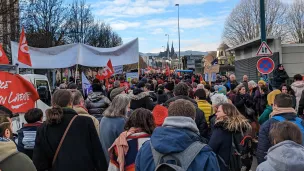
176	161
298	121
241	153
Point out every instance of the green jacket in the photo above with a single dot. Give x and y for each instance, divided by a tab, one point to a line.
265	115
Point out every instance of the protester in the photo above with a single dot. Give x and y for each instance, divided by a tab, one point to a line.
10	158
282	107
229	124
117	91
149	88
243	101
169	87
138	129
287	151
216	100
80	140
201	99
116	84
279	76
245	82
270	99
260	98
284	88
181	91
113	122
178	134
160	113
141	99
298	87
78	106
27	134
232	80
162	97
253	89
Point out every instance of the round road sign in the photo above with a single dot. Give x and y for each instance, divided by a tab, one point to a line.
265	65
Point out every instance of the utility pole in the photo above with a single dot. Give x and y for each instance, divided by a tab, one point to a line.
262	16
179	58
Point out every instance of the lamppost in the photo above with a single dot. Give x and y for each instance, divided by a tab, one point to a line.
179	59
167	45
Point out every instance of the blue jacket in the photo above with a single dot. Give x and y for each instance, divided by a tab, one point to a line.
173	140
264	139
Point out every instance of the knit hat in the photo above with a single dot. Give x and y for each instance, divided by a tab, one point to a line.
159	114
222	90
262	82
116	91
271	96
169	86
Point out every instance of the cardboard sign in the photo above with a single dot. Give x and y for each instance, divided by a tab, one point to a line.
16	93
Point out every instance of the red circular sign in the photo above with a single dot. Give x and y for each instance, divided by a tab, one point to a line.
265	65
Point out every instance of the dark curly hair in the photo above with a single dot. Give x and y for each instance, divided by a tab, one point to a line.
181	89
141	118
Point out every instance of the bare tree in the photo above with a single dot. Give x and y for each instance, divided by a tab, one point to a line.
296	21
243	23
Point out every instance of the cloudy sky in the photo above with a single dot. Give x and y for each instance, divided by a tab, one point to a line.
201	21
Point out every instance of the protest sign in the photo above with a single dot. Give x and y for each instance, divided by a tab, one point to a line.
131	75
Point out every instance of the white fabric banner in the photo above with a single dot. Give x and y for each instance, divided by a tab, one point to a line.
68	55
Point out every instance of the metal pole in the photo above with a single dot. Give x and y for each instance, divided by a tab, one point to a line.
263	27
179	58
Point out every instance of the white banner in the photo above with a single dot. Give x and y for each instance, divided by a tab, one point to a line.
118	69
68	55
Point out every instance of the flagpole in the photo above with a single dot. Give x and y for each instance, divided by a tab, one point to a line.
76	72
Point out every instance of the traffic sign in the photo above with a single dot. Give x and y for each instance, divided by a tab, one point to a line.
265	65
264	50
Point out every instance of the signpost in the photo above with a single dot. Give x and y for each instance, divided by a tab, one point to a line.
265	65
264	50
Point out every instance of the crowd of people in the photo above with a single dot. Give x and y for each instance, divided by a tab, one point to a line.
160	122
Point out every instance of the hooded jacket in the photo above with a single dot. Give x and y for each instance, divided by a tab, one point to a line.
298	87
206	108
265	115
11	159
80	150
97	103
200	119
284	156
176	134
140	99
221	137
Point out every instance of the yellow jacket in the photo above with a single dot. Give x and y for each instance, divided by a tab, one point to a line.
206	108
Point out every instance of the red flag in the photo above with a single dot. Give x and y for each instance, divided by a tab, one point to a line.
107	71
167	70
23	50
201	78
3	57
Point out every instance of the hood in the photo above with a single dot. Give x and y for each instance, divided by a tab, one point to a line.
233	124
80	110
298	84
175	135
180	97
139	96
95	96
286	155
7	148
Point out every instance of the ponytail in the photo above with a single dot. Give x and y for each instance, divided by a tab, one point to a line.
54	115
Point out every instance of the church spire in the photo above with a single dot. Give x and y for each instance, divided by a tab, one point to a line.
172	51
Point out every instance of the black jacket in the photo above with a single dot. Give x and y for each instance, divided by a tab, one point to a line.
200	119
81	149
301	105
140	99
97	103
264	139
170	94
279	77
240	102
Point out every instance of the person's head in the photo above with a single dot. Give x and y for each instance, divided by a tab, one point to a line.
181	89
251	85
297	77
200	86
280	67
261	83
283	100
147	87
77	98
160	89
245	78
141	118
33	115
116	84
232	77
169	86
194	85
200	94
119	106
284	88
264	89
5	126
222	89
242	90
207	87
159	113
134	81
224	78
282	131
182	107
72	86
96	87
117	91
218	99
5	110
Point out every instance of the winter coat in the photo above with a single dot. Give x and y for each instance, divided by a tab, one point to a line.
301	105
206	108
228	83
81	111
97	103
26	138
298	88
259	101
11	159
110	129
240	102
264	139
212	119
162	98
200	119
221	138
80	150
176	134
286	155
245	84
231	96
170	94
279	77
265	115
141	99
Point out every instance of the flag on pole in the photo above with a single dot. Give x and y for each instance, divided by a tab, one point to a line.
3	57
107	71
86	85
23	50
167	71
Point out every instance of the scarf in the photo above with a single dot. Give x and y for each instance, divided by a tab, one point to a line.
279	110
122	146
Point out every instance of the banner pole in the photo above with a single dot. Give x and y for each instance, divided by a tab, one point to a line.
76	73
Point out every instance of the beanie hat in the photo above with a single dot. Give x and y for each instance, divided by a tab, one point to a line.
116	91
262	82
271	96
159	114
222	90
169	86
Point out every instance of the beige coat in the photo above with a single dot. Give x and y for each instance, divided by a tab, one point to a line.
82	112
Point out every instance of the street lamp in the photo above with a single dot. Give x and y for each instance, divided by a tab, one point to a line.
179	60
167	45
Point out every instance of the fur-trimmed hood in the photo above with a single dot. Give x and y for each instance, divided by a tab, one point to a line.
233	124
139	96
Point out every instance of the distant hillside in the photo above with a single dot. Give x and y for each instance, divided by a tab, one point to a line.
183	53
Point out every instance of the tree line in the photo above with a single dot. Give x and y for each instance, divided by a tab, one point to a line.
282	20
